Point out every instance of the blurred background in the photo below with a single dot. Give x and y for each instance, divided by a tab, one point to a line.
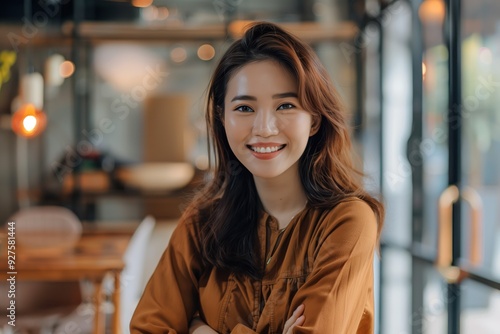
102	115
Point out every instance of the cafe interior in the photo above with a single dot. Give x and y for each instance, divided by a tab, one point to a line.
103	141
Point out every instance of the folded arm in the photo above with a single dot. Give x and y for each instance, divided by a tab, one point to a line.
339	288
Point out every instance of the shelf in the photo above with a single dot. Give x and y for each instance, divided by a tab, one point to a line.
97	32
310	32
17	37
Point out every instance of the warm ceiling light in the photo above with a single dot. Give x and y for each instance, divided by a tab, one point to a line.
28	121
424	69
142	3
206	52
66	69
432	11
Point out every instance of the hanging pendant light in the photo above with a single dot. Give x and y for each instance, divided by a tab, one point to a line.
30	120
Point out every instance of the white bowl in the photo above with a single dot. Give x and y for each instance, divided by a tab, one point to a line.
157	176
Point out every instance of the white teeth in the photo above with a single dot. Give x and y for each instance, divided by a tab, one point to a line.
266	149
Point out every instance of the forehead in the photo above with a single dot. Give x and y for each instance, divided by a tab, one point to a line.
261	78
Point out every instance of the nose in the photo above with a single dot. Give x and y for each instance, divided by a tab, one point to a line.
265	124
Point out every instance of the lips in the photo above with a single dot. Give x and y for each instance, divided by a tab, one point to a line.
266	151
265	148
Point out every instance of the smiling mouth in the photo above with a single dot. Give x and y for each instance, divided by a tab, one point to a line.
268	149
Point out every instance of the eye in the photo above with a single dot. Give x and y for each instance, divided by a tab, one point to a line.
243	109
286	106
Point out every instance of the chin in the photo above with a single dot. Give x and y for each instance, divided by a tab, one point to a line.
266	173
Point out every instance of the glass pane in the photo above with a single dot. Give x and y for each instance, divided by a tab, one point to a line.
434	313
480	309
481	126
396	291
429	290
397	119
434	145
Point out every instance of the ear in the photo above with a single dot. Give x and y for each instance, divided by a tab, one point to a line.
316	122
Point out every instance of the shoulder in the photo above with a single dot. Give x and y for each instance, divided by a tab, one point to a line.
186	233
352	206
351	219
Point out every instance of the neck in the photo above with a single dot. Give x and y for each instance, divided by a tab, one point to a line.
282	197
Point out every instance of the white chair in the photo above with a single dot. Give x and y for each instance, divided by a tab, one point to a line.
132	277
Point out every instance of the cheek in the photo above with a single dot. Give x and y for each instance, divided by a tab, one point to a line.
234	129
301	127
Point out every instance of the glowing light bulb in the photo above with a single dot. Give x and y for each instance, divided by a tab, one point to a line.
29	123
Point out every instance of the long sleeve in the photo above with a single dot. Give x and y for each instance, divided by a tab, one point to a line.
170	298
339	288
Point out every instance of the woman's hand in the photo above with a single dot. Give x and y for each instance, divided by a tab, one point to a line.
197	326
296	319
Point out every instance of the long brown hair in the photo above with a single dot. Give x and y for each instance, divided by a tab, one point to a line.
227	208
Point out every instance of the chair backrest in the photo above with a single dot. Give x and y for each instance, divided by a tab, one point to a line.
46	228
132	277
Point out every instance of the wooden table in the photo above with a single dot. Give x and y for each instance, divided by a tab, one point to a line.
97	253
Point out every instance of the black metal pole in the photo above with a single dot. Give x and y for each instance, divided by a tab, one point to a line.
415	159
359	114
77	103
453	19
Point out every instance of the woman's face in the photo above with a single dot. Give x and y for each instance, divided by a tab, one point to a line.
266	127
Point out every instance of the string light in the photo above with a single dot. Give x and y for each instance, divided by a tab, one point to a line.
178	54
206	52
67	69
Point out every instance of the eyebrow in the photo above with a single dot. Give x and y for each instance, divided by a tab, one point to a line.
253	98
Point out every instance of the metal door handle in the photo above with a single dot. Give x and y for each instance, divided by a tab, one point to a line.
445	242
476	230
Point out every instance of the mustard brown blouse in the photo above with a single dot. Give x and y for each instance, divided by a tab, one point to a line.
323	259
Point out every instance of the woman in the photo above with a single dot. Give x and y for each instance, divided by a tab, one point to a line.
282	239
